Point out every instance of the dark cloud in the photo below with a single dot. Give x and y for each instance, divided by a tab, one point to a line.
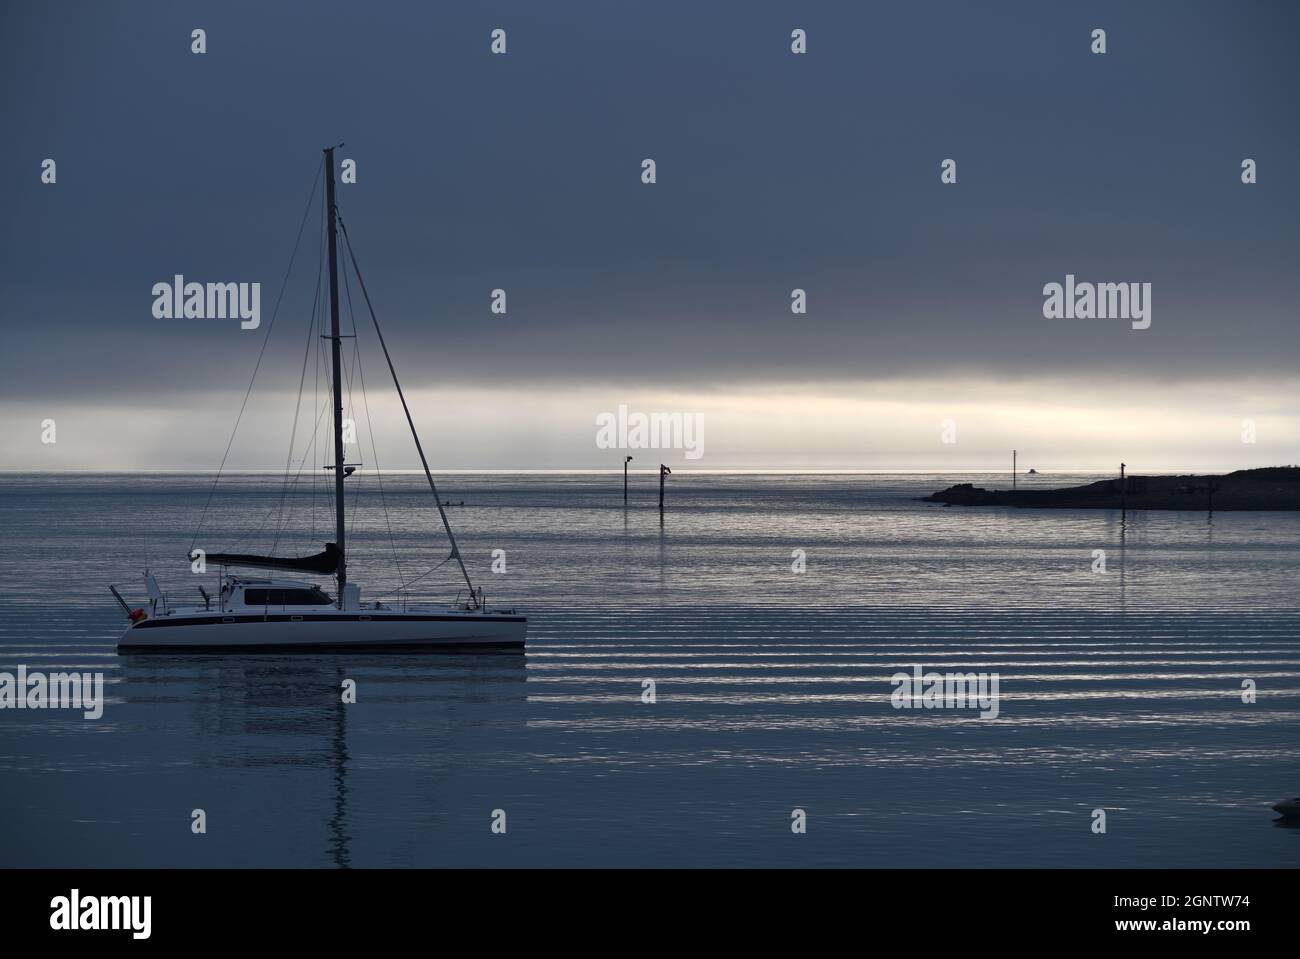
775	171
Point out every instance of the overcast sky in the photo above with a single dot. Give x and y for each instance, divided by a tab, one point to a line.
775	171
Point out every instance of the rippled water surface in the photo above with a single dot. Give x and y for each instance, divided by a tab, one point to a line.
1120	690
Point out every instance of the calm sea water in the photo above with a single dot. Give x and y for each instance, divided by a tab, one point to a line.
1120	690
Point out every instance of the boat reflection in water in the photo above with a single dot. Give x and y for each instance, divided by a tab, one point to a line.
363	744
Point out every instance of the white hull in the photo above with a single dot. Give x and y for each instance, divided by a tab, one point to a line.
325	630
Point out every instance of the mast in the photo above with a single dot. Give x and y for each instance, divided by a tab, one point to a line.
335	340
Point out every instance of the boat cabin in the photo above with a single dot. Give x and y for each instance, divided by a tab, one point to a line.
238	594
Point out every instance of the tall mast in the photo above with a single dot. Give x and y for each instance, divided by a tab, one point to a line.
335	340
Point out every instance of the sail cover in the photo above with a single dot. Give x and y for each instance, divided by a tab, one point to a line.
322	564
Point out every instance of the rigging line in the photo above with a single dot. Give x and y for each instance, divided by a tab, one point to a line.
431	569
347	371
318	317
349	376
318	458
293	484
302	463
325	445
283	520
293	439
260	353
419	448
308	453
315	385
374	450
239	541
255	535
311	449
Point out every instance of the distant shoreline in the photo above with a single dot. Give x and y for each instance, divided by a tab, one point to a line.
1267	488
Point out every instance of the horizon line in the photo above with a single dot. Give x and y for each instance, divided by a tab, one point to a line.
581	470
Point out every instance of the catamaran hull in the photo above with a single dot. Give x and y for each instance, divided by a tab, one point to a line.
326	632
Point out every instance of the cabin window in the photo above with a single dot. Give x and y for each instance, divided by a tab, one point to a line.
286	597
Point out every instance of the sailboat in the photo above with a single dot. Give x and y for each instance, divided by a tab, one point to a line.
287	615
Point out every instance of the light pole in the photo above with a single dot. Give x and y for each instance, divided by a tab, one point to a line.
626	460
663	471
1123	509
